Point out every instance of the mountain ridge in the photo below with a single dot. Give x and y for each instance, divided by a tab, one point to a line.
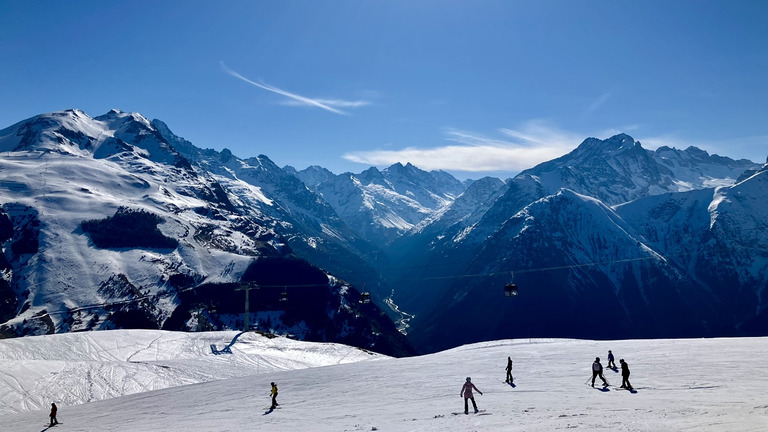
65	168
424	244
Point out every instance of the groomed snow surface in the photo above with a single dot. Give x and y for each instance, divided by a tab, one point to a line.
180	385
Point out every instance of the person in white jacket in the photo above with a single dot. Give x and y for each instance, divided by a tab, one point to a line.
466	391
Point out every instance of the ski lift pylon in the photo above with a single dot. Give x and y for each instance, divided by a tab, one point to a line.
510	289
365	297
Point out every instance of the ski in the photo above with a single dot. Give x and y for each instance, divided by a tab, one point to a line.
631	389
479	412
602	388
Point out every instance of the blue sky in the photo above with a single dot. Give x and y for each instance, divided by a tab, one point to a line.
472	87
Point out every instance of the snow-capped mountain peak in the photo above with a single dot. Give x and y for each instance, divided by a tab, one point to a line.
382	205
611	145
619	169
116	118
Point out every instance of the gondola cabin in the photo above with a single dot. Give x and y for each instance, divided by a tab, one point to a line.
510	290
365	297
284	296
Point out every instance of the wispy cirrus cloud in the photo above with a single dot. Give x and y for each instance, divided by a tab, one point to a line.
331	105
329	102
596	104
512	150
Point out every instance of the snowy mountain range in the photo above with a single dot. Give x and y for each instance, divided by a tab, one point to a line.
675	258
382	205
116	222
619	170
107	224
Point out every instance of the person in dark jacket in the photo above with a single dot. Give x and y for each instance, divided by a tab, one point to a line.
625	375
274	396
597	371
611	360
54	409
509	371
466	391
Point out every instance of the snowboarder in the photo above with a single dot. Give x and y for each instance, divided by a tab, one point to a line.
509	371
611	360
53	415
274	396
466	391
625	375
597	371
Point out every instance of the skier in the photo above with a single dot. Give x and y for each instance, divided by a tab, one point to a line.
625	375
509	371
274	396
466	391
611	361
597	371
53	415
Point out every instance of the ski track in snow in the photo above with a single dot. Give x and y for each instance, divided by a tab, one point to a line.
82	367
681	385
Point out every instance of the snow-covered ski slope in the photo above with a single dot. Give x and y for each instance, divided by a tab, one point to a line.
75	368
682	385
